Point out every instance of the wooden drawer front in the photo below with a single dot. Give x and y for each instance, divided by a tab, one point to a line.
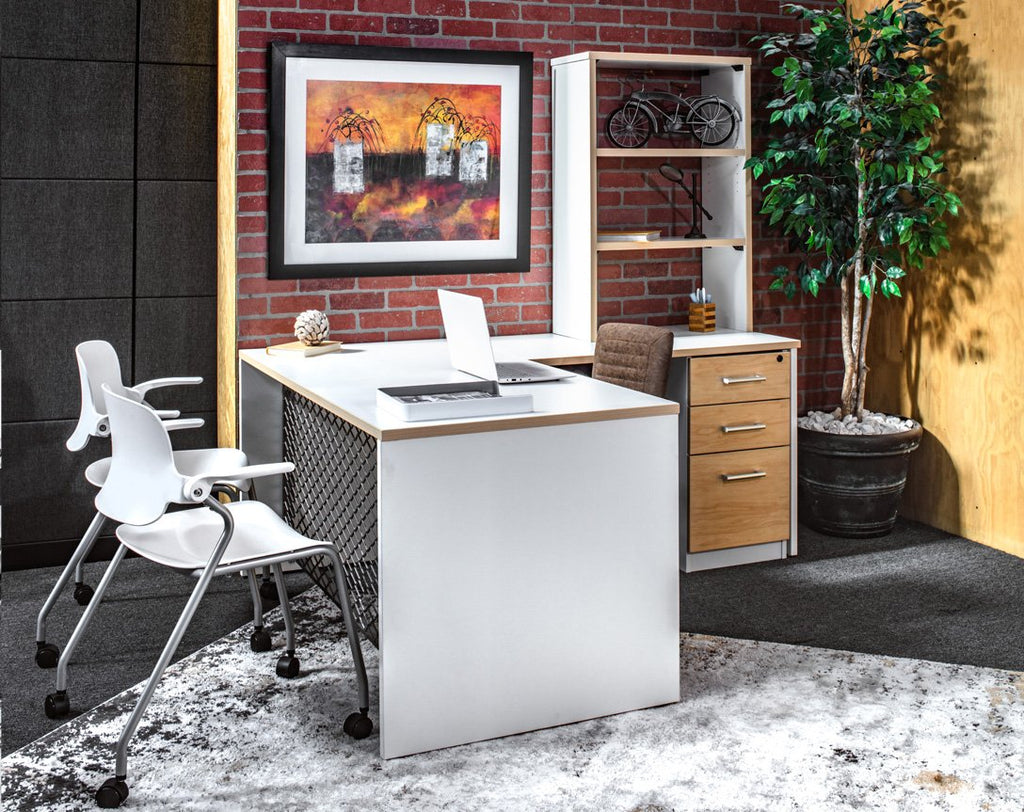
734	513
736	426
736	378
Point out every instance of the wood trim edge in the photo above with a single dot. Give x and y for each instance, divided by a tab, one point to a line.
227	329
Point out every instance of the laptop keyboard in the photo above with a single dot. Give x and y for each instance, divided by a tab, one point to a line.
514	370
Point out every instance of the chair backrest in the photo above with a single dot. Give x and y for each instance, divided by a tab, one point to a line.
97	366
143	479
636	356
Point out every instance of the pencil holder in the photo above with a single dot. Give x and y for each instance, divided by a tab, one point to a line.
702	318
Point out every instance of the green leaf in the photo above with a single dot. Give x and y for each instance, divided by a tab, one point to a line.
895	272
890	289
865	286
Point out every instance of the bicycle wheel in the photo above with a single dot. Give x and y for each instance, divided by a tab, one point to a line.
629	126
712	122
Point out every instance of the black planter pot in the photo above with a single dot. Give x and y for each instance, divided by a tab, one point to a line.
850	485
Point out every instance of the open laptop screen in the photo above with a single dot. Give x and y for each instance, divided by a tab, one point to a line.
465	327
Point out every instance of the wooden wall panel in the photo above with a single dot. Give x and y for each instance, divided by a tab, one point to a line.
227	330
953	354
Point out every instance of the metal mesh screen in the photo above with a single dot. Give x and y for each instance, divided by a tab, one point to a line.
332	496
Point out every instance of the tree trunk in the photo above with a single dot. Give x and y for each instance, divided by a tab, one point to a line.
846	399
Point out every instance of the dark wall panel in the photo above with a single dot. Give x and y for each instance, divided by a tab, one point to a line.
184	32
64	239
66	119
39	339
177	111
46	496
176	240
177	337
69	29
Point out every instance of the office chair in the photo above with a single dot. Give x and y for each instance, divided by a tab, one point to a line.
143	480
98	365
636	356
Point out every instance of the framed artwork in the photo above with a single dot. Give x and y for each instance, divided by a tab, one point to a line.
387	161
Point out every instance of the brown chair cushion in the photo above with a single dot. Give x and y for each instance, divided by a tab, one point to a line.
633	355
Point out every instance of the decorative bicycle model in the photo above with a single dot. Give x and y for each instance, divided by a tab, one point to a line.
710	119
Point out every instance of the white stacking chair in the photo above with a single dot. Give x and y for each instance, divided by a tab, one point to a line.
143	480
98	366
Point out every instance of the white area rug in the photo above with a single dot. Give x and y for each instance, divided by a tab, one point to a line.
762	726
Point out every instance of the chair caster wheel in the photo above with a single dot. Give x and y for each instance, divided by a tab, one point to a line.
83	594
260	640
268	590
358	725
57	705
112	793
47	655
288	666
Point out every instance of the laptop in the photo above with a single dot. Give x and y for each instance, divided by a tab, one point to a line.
469	344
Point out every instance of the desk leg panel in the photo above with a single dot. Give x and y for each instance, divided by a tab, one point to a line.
528	578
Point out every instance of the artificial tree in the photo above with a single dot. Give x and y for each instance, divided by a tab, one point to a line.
851	172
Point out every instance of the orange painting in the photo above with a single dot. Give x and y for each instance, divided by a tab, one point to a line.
402	161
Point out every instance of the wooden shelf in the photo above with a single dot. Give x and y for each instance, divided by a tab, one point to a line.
669	152
670	244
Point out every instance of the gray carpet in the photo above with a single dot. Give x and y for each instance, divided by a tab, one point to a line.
759	726
917	593
122	644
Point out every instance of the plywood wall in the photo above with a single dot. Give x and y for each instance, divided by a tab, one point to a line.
953	354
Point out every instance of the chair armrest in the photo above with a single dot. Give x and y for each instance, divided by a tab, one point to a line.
197	488
184	423
167	414
158	383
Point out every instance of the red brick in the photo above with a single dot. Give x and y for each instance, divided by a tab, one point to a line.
251	203
267	3
330	284
252	19
252	306
494	11
252	121
252	245
283	20
252	101
251	183
261	285
633	307
467	28
441	8
249	60
572	33
260	39
365	300
356	22
544	12
624	34
615	290
319	38
413	335
251	161
499	315
251	225
250	142
378	282
251	265
417	26
516	328
597	14
252	80
296	304
718	39
522	293
266	327
519	30
536	313
386	6
412	298
385	319
328	5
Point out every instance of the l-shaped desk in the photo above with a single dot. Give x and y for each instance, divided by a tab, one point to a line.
516	571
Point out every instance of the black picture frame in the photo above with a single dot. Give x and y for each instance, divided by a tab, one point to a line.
317	231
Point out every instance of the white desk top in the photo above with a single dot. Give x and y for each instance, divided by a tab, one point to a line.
346	382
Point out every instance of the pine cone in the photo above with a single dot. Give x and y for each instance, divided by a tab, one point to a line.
312	327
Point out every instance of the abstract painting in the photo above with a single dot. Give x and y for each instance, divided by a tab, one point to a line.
398	161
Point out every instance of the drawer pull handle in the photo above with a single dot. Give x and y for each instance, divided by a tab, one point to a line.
750	475
747	427
744	379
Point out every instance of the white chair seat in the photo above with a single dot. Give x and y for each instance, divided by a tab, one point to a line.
190	462
185	540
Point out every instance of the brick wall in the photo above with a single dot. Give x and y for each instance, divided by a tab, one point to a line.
395	308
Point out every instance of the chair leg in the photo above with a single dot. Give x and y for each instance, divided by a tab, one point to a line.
287	663
47	654
357	725
117	787
268	591
57	704
260	639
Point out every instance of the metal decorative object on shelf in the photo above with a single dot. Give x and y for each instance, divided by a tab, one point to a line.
674	174
710	119
312	327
